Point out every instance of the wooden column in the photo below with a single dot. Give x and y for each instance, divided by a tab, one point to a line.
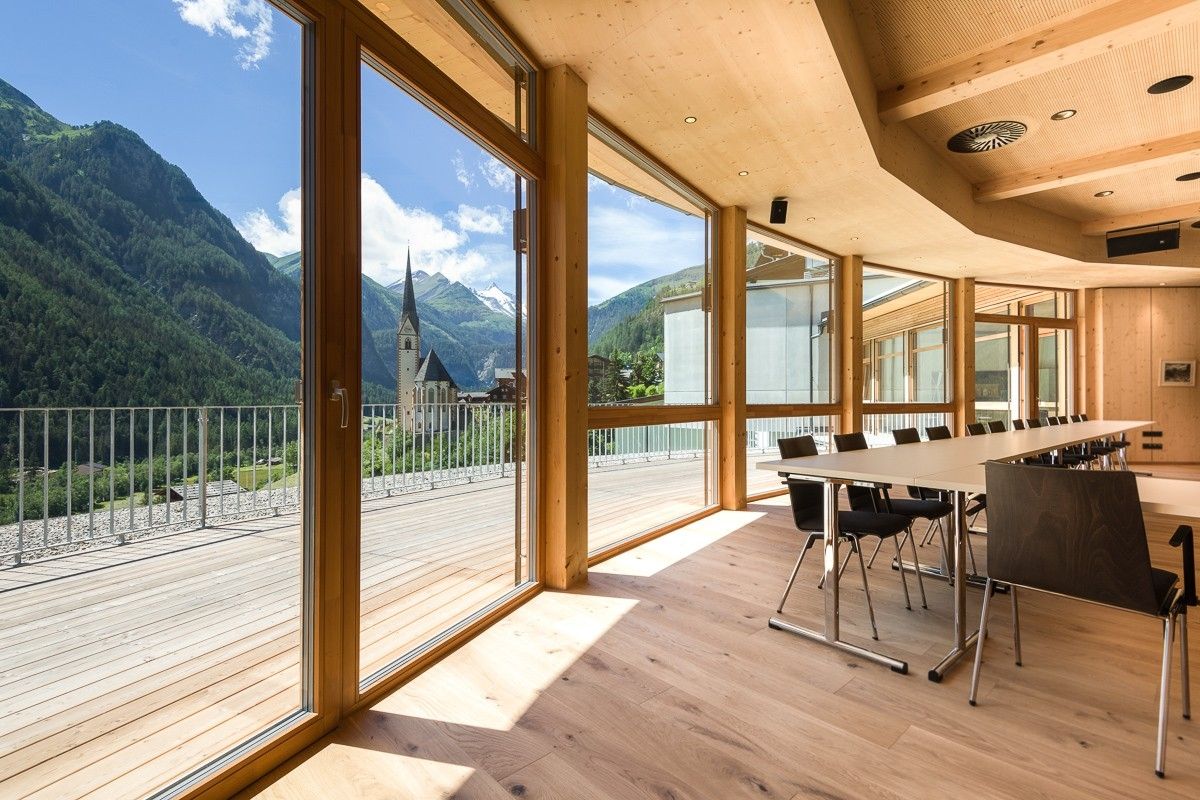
731	355
561	280
849	336
963	337
1083	350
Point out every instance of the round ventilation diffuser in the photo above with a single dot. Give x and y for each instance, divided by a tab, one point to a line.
1170	84
988	136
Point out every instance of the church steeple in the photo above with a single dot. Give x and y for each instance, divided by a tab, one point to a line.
409	309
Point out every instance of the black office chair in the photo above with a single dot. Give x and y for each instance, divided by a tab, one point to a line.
1018	424
808	513
1052	420
938	432
876	499
1033	423
1081	535
976	429
997	426
1104	450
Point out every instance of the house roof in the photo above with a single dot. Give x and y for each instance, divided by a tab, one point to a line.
433	371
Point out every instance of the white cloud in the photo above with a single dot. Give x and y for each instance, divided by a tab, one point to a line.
497	174
248	21
601	288
627	247
388	229
479	220
461	172
269	236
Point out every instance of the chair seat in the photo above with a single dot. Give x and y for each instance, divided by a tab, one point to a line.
861	523
1164	586
926	509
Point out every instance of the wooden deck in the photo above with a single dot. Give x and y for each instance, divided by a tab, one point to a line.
123	667
661	679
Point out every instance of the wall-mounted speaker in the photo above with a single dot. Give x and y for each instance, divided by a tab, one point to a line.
1143	240
779	211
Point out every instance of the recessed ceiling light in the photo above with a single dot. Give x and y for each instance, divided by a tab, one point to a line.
1196	224
854	238
1105	193
988	136
1066	113
1162	284
743	173
812	219
689	120
1191	176
1170	84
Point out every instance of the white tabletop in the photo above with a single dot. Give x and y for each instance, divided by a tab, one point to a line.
906	463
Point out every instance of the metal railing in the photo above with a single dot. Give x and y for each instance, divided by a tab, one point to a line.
641	443
878	427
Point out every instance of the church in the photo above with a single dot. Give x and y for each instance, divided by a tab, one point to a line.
425	393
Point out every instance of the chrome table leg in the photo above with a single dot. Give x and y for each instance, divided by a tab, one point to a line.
962	641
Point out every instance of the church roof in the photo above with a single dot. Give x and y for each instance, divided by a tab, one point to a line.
409	309
432	371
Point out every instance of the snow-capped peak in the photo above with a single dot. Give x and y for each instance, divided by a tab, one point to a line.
497	300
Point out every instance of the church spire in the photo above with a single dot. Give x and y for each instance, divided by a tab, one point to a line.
409	309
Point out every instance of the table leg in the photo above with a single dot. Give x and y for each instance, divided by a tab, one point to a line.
962	641
831	636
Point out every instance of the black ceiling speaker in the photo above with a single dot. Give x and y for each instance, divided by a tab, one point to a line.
988	136
779	211
1133	241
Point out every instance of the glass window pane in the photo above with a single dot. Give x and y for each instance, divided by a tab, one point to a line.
904	320
444	528
461	42
148	369
762	444
649	313
1022	301
789	293
643	477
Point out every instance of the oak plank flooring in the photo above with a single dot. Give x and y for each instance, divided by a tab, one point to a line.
661	679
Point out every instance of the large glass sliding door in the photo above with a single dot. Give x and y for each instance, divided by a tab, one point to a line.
153	446
443	430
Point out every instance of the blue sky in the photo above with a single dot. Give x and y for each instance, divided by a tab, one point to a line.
214	86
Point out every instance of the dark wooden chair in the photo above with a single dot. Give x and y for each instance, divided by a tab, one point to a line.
1018	424
996	426
808	513
1080	534
976	429
937	432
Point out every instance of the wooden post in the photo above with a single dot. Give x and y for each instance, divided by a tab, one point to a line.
1083	344
963	330
849	336
562	277
731	355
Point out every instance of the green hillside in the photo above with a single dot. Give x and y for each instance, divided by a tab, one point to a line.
633	320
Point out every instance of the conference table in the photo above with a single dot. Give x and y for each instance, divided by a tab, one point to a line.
954	466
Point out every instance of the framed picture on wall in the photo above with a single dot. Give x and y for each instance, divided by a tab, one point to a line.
1173	372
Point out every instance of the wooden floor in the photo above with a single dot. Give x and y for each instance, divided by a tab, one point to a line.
123	667
661	679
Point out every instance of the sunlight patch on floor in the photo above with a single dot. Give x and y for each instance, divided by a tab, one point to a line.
473	687
651	558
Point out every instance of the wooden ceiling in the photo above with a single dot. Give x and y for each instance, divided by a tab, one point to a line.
792	93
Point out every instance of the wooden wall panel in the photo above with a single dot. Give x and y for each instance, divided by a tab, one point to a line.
1124	391
1175	334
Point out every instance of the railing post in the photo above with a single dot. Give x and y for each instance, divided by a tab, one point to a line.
202	465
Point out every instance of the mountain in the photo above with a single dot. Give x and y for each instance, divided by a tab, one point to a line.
633	319
498	300
120	284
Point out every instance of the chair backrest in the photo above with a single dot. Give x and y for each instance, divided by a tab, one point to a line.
997	426
1033	423
906	435
1083	418
806	497
976	429
862	498
1018	424
938	432
1063	420
1073	532
1076	418
1052	420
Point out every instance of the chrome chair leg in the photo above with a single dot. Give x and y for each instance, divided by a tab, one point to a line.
983	615
871	560
928	537
1185	691
867	590
1012	590
912	543
841	569
903	580
1164	697
971	551
795	571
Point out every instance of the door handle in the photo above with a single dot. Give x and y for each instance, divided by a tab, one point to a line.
339	394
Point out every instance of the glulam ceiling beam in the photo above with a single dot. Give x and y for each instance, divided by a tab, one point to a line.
1154	216
1107	28
1090	168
